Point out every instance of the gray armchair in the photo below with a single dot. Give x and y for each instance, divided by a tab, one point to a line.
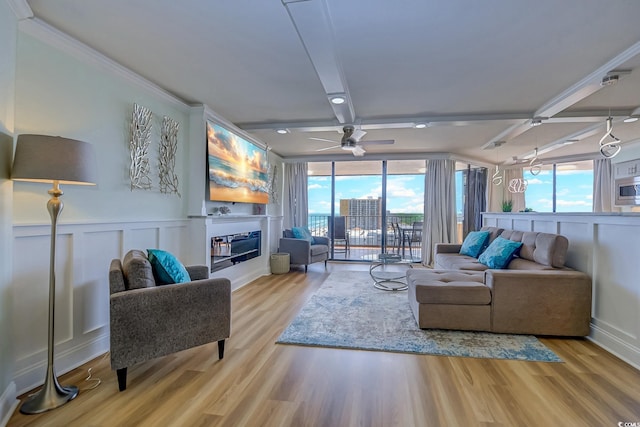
302	252
149	321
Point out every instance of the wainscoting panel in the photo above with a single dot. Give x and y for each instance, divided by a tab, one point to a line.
580	236
92	291
522	225
616	275
143	238
606	247
31	292
544	226
83	254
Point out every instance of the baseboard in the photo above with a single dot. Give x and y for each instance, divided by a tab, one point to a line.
32	376
614	345
8	403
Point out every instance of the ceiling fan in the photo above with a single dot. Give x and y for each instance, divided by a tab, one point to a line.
351	141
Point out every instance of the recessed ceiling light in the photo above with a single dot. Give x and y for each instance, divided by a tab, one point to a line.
338	100
630	119
282	131
420	125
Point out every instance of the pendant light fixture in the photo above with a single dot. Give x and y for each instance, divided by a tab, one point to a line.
611	148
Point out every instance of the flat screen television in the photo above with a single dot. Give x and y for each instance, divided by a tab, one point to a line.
237	168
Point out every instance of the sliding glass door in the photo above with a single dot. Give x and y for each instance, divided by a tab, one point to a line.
367	207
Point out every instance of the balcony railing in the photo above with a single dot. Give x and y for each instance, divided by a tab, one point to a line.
365	235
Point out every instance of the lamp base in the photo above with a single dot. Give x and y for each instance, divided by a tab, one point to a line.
49	398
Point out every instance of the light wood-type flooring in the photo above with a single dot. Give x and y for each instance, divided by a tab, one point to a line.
260	383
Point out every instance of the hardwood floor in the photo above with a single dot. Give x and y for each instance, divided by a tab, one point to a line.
259	383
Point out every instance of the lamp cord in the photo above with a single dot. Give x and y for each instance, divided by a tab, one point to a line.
90	379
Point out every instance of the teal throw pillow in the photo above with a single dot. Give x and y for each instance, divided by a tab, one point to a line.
474	243
499	253
166	268
302	233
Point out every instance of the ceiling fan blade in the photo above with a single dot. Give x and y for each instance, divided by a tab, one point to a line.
358	151
324	140
358	134
328	148
378	142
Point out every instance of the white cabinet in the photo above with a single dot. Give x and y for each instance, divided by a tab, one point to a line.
626	169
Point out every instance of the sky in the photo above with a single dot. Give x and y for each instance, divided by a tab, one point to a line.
574	192
405	193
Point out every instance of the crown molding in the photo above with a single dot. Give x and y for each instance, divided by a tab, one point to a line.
50	35
21	9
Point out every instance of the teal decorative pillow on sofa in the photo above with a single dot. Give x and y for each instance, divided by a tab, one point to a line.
499	253
166	268
302	233
474	243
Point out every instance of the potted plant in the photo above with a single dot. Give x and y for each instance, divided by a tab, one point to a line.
507	205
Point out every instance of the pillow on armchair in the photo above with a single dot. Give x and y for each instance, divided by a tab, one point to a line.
166	268
302	233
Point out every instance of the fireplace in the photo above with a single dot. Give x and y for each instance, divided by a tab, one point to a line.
230	249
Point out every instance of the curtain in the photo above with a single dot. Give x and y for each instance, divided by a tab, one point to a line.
602	186
494	192
516	198
475	201
439	206
295	202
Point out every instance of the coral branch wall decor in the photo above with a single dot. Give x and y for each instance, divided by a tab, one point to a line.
139	141
167	163
272	184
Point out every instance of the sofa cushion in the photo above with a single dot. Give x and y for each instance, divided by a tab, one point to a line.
499	253
524	264
544	248
137	270
474	243
166	268
455	261
551	249
493	232
449	287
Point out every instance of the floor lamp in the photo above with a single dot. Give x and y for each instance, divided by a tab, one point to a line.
52	159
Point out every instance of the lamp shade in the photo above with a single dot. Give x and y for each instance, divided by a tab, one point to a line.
43	158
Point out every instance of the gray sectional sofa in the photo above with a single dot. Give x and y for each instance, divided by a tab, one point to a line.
536	294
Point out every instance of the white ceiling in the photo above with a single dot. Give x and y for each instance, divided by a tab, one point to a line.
477	71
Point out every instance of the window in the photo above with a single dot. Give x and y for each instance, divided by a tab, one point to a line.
562	187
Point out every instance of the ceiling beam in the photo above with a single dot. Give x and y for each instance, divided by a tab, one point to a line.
313	25
570	96
515	120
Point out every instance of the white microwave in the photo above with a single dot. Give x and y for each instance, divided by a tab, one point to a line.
627	191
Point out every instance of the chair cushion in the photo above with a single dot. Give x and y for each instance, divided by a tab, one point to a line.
319	249
302	233
474	243
499	253
137	270
166	268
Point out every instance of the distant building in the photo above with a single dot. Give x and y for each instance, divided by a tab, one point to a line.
365	214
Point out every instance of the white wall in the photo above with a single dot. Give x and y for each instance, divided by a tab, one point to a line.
606	247
8	36
57	94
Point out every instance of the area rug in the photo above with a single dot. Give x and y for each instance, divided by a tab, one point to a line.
348	312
